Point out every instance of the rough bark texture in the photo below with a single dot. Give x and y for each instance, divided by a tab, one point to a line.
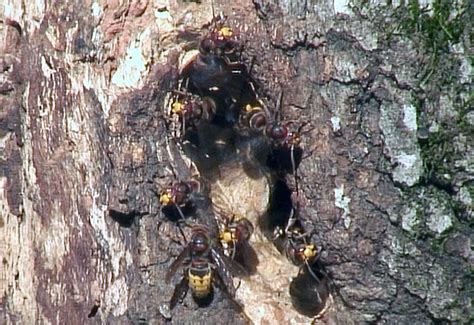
386	182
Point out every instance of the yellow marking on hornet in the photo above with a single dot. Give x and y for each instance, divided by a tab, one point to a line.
227	236
200	285
165	198
310	251
226	32
249	108
177	107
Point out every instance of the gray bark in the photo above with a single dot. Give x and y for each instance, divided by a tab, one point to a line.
386	182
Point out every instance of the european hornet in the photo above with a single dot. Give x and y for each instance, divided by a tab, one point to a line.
305	255
220	41
293	241
182	197
192	109
204	265
234	237
218	72
285	137
236	232
257	119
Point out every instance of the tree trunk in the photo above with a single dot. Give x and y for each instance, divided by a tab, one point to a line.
386	180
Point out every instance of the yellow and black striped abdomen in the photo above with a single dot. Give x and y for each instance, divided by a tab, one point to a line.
200	278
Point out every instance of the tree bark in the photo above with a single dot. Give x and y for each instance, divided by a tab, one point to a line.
386	180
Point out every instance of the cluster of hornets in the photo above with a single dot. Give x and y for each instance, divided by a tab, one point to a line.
216	115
